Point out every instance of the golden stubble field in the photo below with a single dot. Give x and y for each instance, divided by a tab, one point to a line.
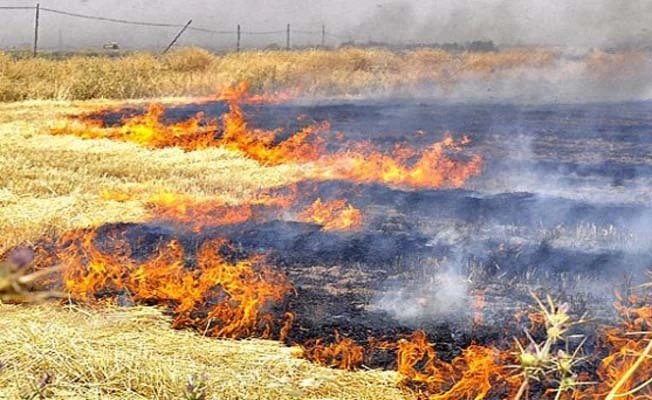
57	182
51	184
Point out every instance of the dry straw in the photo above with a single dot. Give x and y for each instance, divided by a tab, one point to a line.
197	72
76	353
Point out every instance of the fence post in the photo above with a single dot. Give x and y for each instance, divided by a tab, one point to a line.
323	36
237	43
36	20
287	38
177	37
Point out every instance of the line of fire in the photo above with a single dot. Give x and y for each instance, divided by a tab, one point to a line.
477	256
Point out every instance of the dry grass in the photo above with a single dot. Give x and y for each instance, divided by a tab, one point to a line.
196	72
74	353
53	184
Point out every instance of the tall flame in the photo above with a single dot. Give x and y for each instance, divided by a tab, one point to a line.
431	167
625	372
219	297
472	375
304	146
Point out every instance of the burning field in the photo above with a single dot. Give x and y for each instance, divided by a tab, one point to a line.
481	252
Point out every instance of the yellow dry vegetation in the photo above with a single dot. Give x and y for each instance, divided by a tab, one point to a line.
197	72
51	184
73	353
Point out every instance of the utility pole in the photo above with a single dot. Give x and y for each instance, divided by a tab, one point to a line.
177	37
287	38
323	36
60	41
36	20
237	43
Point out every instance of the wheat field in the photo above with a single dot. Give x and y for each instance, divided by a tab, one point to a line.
52	184
197	72
71	353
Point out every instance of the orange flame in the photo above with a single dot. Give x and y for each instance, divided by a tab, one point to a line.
306	145
433	167
336	215
478	306
241	93
343	353
472	375
360	162
197	215
625	372
149	130
218	297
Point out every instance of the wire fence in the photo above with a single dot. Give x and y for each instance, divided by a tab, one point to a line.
321	37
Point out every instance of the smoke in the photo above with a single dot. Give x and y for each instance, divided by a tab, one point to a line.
514	22
440	296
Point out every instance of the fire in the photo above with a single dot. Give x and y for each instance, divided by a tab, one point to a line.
197	215
431	167
336	215
475	374
343	353
304	146
199	133
230	299
478	306
241	93
149	130
625	372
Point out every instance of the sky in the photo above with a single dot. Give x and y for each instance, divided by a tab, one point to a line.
585	23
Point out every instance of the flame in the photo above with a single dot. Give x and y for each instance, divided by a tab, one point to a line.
478	306
335	215
304	146
194	213
197	215
199	133
148	130
343	353
431	167
221	298
625	372
473	375
244	298
629	353
241	93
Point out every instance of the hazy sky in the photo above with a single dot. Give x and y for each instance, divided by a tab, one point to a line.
563	22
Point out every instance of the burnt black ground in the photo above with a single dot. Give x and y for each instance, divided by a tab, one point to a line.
563	206
610	143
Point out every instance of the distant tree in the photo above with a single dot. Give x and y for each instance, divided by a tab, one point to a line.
482	46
